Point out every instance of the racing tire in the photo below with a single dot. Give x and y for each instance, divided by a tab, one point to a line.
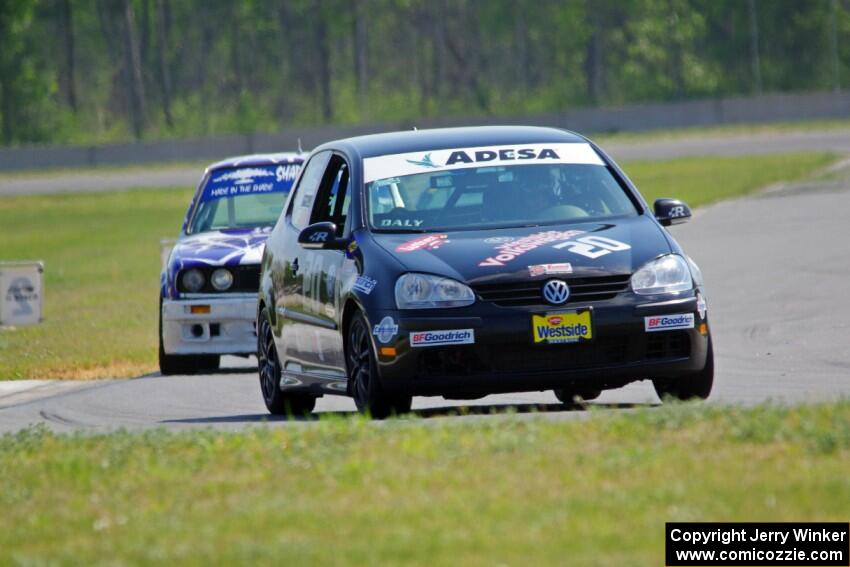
364	385
171	364
268	364
568	397
692	386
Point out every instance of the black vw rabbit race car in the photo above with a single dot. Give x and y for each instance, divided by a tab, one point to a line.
470	261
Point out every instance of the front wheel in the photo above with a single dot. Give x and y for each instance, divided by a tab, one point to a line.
692	386
268	363
363	382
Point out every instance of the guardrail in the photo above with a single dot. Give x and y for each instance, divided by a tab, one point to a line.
711	112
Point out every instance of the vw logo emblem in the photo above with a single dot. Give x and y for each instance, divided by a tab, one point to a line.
556	292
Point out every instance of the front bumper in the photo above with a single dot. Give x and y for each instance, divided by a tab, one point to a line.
228	328
504	358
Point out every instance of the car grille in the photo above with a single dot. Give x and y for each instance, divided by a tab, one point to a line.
246	279
675	344
531	293
598	353
540	358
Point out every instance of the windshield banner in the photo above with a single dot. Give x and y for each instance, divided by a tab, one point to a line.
398	165
250	181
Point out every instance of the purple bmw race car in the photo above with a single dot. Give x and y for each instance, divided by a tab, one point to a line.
208	288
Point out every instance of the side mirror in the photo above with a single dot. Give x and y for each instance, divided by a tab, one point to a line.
321	236
671	211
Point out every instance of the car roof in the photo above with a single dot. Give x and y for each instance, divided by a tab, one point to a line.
442	138
259	159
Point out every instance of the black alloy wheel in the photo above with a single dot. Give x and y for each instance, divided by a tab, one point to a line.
268	364
363	381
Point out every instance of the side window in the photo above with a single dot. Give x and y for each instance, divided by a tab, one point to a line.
333	198
305	193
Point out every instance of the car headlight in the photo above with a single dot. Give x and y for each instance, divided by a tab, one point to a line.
666	274
221	279
424	291
193	280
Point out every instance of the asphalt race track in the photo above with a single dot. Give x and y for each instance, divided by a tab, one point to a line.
176	175
777	267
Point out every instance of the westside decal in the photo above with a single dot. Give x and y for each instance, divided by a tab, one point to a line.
440	338
385	330
564	327
427	242
668	322
550	269
397	165
364	284
512	250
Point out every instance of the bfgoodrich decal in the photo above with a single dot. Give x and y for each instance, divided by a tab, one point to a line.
668	322
396	165
441	338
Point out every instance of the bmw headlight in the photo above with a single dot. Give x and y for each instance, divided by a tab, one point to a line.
424	291
221	279
666	274
193	280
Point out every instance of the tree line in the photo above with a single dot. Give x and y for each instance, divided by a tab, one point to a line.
106	70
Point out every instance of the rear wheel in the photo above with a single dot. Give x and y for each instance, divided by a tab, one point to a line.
571	396
692	386
277	402
170	364
363	382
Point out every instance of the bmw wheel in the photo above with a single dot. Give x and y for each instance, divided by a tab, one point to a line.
697	385
363	381
268	363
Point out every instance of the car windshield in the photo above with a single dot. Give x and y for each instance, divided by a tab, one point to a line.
243	197
476	198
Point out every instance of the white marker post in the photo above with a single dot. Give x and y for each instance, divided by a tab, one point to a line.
21	293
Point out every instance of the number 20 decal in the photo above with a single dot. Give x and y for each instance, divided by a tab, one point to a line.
593	246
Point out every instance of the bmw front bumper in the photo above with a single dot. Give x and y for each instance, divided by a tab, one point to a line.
218	325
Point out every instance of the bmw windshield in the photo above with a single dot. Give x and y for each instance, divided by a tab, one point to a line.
243	197
478	189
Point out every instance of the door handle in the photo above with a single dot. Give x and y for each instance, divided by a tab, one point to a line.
295	267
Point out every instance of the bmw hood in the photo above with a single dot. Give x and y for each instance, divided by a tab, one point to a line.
514	254
220	248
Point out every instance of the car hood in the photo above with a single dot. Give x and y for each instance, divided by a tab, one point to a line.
505	255
229	247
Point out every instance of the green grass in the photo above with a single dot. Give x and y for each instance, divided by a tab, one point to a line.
101	252
102	264
105	169
704	180
724	130
344	491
